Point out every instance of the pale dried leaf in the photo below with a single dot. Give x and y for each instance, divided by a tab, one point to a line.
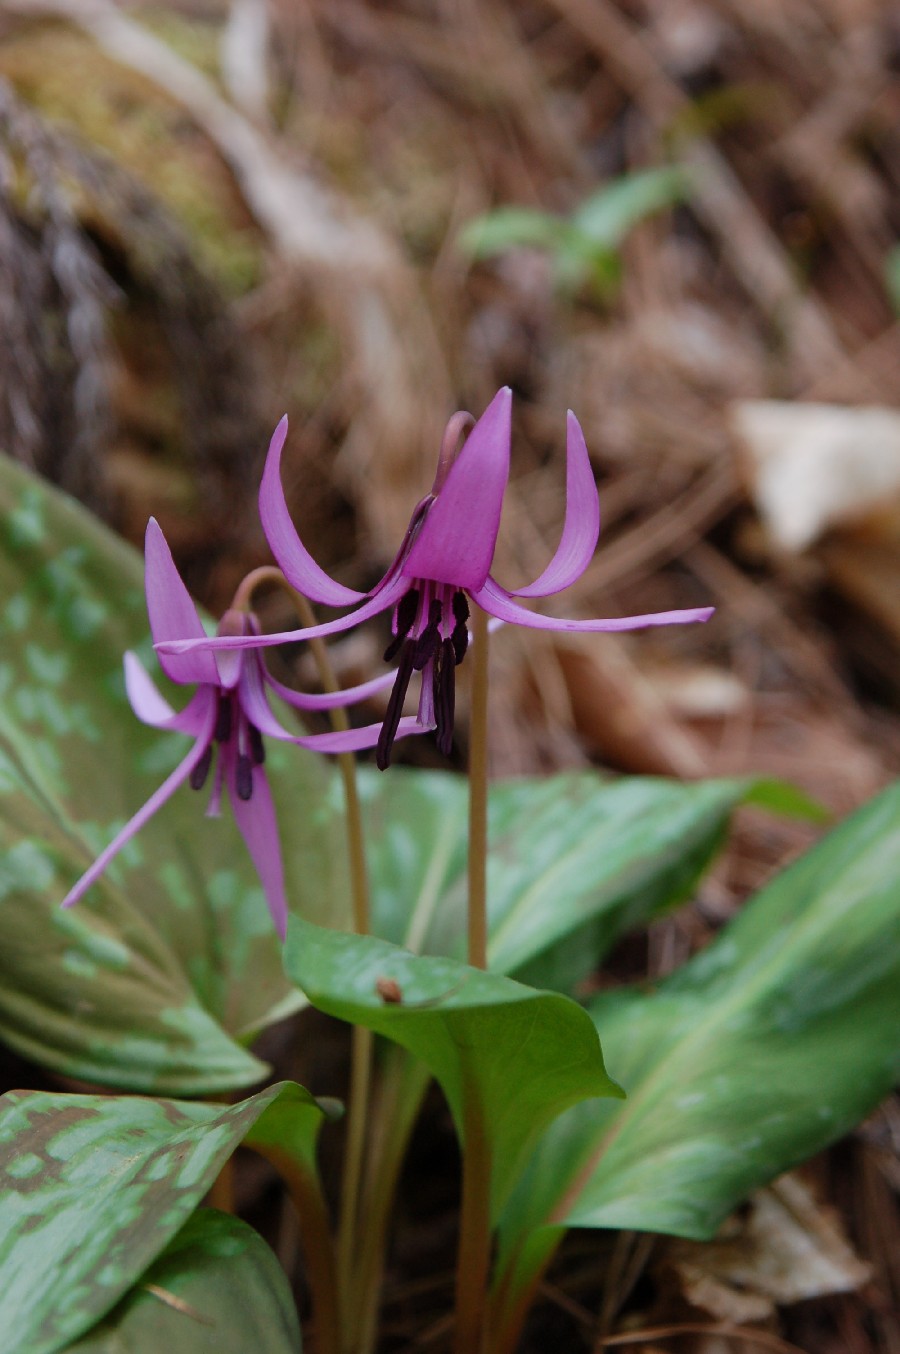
788	1248
811	467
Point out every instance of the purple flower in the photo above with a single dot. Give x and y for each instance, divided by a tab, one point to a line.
227	717
443	564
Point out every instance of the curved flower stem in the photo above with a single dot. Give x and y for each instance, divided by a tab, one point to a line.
266	573
478	796
361	1039
474	1257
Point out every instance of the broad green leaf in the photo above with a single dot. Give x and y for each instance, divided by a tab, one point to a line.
505	1055
217	1288
575	861
93	1189
767	1046
510	228
158	976
607	216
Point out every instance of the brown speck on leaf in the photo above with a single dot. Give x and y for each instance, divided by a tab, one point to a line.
389	991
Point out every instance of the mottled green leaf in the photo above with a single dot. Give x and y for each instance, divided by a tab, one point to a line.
217	1288
768	1045
575	861
508	1058
155	980
93	1188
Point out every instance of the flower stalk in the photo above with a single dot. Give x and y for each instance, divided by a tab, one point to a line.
362	1044
474	1256
478	795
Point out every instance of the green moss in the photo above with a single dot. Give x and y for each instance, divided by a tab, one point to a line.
66	79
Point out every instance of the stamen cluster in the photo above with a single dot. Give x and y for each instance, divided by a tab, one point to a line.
240	742
426	643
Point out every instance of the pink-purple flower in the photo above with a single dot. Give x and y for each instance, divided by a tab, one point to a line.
442	565
227	717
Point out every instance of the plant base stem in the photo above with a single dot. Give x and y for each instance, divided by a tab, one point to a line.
473	1263
478	796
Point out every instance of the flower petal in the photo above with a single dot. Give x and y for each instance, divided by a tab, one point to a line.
297	564
152	708
455	544
256	707
496	601
252	696
258	826
355	740
172	612
146	811
582	524
384	599
349	695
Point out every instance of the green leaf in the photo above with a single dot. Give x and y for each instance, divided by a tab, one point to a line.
575	861
155	980
580	263
504	1054
93	1189
767	1046
217	1288
510	228
607	216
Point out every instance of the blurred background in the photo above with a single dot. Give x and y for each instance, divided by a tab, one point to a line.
677	217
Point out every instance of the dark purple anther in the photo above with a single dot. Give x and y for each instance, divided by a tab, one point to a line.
257	746
243	777
223	719
395	708
407	610
427	644
444	696
460	636
197	778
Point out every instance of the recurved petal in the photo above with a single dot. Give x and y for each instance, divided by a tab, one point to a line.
172	612
350	695
258	826
152	708
496	601
456	541
252	691
252	696
385	598
582	524
355	740
297	564
145	812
